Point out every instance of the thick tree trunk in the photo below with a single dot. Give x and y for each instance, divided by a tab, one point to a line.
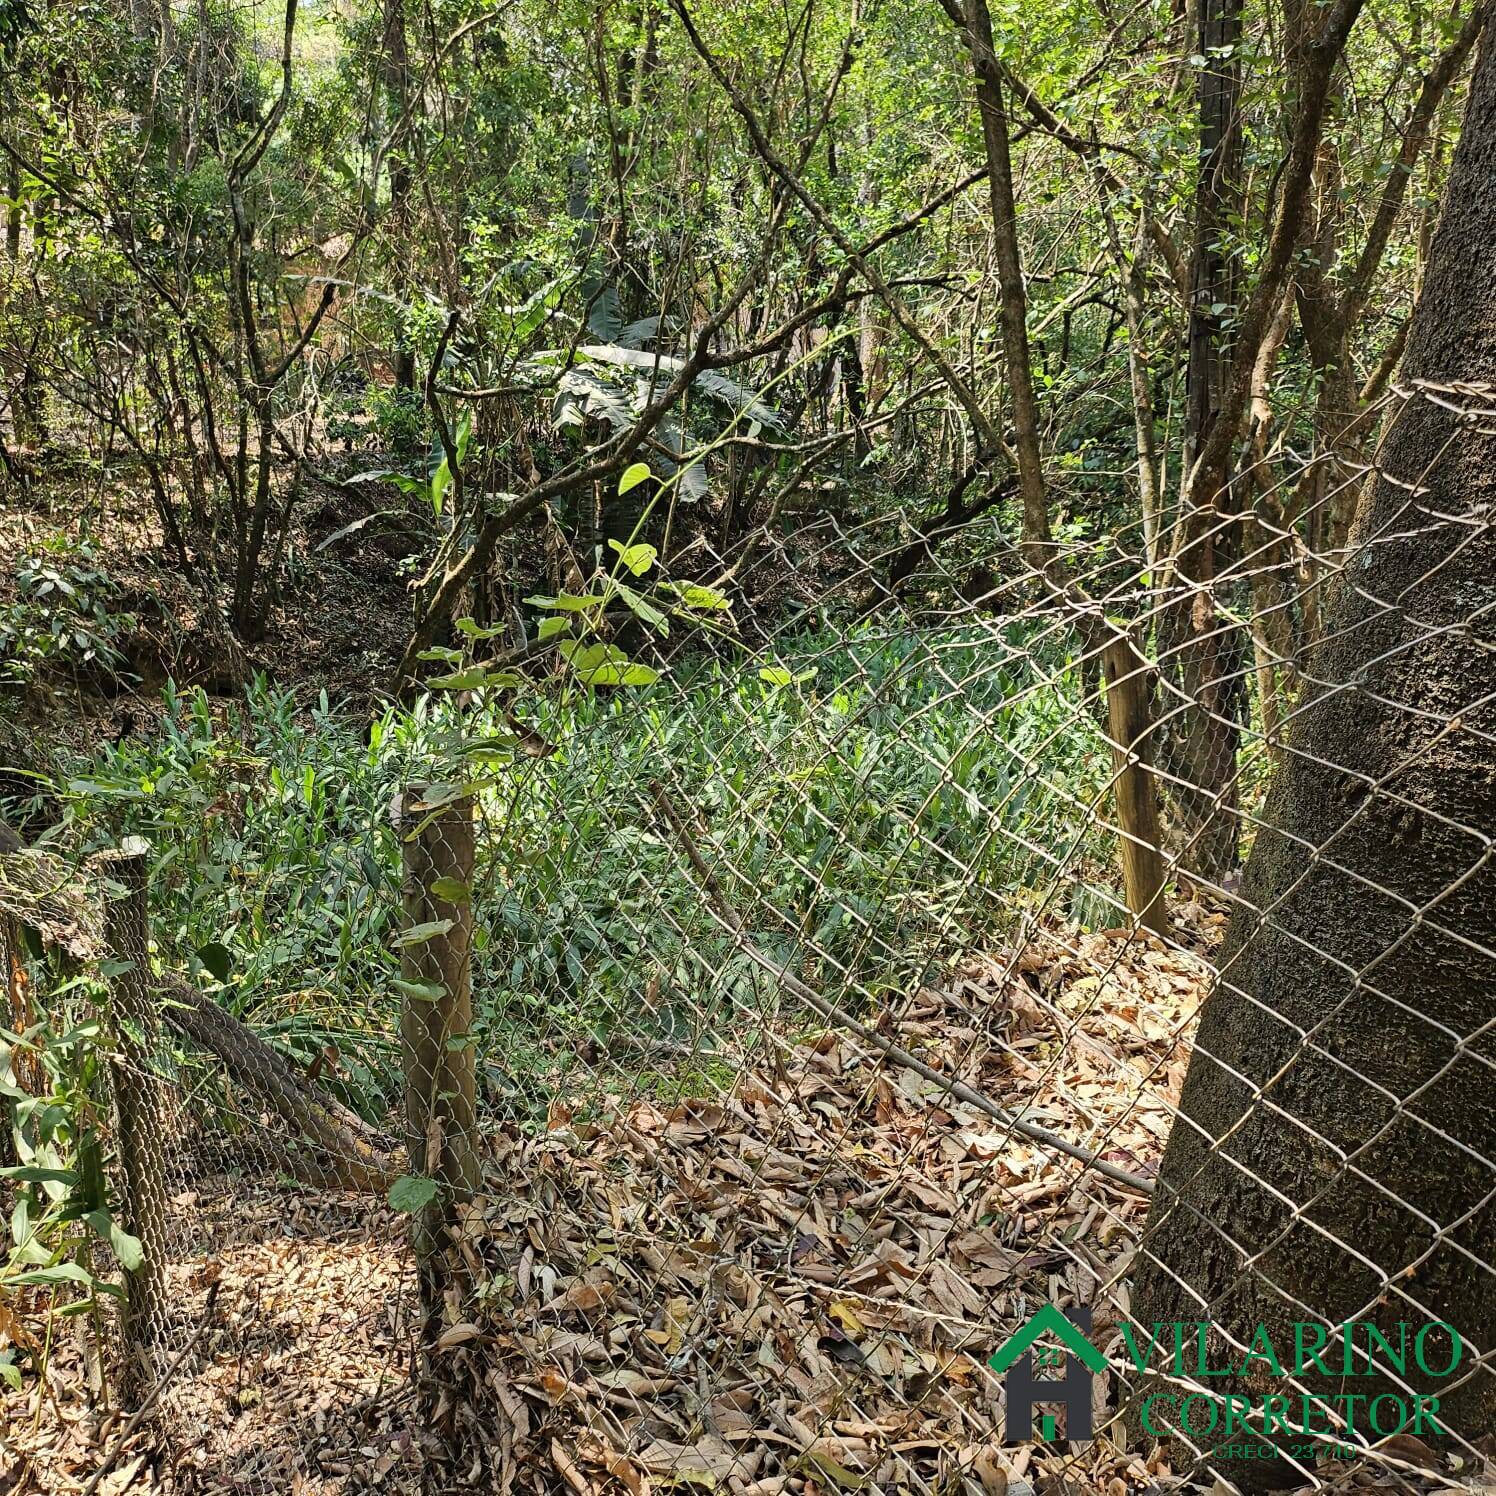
1333	1154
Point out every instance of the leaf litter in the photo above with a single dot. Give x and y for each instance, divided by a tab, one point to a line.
792	1284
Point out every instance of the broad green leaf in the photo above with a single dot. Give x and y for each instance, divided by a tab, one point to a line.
703	599
638	558
550	627
619	675
441	481
475	678
475	630
777	675
127	1248
412	1192
64	1272
582	656
453	890
568	602
36	1174
643	608
633	476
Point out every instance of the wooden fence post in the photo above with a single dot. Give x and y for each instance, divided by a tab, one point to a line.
1128	726
138	1105
440	1067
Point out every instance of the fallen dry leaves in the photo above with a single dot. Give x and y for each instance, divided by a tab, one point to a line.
789	1285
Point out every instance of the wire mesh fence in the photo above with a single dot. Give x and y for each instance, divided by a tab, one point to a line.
880	1009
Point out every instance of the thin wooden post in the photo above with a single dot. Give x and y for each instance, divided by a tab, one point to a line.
138	1106
1128	726
436	1020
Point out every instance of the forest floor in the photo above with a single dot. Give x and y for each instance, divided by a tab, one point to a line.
338	623
792	1285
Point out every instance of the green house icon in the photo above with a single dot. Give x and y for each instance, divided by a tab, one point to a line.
1024	1389
1048	1321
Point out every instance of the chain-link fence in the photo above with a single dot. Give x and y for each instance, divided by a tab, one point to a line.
985	1018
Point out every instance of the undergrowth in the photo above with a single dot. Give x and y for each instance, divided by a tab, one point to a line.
866	802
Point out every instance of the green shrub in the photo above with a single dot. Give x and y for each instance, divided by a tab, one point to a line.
63	614
870	804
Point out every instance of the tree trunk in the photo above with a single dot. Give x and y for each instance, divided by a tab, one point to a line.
140	1113
1197	653
1332	1158
1129	725
396	77
1012	294
1213	266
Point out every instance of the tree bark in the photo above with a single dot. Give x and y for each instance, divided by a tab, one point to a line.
1199	743
1332	1156
1012	294
141	1114
1129	725
395	68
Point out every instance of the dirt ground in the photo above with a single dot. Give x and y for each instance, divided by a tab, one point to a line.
338	624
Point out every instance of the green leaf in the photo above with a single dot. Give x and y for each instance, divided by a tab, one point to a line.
64	1272
619	675
638	558
36	1174
633	476
550	627
703	599
471	679
453	890
442	653
643	608
777	675
412	1193
217	957
441	480
475	678
95	789
420	934
477	631
568	602
126	1247
421	992
582	656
